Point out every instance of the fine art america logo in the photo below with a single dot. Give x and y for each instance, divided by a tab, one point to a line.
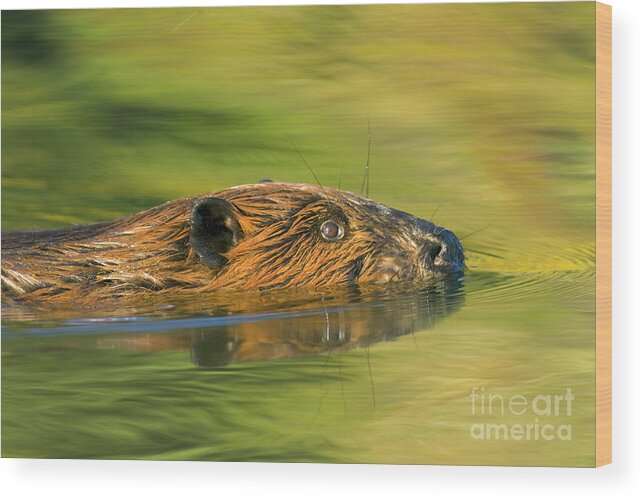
547	416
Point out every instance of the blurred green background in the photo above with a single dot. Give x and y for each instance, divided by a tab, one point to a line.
482	119
485	111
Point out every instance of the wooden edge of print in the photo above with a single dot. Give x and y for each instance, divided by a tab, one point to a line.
603	234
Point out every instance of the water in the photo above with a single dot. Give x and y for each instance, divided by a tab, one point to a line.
104	115
339	379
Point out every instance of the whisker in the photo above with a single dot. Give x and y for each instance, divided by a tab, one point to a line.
370	374
365	182
476	231
326	363
306	163
327	334
437	209
493	255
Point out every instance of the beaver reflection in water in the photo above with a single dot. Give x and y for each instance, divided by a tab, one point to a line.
250	237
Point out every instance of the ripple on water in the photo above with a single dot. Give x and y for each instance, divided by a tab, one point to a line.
490	288
505	255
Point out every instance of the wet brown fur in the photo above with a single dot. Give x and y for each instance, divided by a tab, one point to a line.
151	252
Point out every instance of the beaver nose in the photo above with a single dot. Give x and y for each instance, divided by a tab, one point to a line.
442	250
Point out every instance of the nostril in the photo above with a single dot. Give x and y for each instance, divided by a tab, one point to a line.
432	252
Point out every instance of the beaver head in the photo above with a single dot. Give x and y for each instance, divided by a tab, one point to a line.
251	237
273	235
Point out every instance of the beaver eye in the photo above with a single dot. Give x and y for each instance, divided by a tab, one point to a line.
331	230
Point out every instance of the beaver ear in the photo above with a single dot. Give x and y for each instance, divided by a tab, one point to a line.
214	229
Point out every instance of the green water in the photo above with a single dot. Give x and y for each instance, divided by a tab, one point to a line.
482	120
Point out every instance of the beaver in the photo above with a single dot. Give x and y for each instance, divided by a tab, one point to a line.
264	236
